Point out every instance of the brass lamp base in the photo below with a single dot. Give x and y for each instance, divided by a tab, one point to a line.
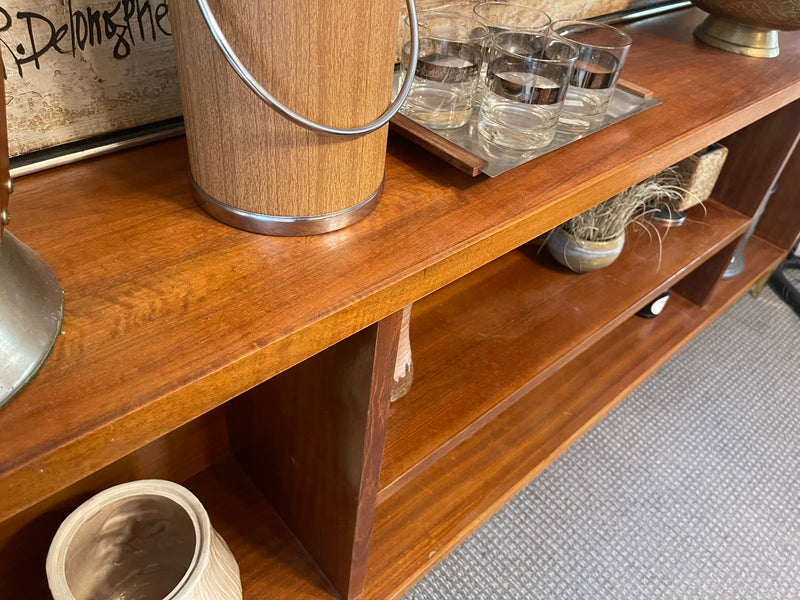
748	40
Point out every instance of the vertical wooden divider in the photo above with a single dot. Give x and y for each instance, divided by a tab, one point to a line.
698	285
312	440
758	156
781	219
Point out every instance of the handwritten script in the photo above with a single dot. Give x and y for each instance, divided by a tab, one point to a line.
120	27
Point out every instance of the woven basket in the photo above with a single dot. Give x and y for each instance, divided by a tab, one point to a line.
698	174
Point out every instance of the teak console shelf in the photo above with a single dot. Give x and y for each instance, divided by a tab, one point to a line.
256	370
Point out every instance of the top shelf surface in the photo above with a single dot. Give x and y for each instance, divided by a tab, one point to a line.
169	313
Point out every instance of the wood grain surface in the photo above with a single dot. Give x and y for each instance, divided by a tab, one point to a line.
757	155
169	314
273	564
442	148
780	222
330	62
698	285
311	439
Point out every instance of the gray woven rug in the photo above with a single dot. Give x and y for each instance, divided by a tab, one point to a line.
689	489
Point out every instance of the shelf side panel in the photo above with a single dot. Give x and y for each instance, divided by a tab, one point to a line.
312	439
756	155
780	222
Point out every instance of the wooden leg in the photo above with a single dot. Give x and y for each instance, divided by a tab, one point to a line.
756	290
312	440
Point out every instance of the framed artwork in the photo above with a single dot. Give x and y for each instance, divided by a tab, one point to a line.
76	69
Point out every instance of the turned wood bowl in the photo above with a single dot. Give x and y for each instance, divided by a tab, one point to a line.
747	27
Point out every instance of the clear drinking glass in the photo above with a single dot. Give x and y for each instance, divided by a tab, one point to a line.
602	50
523	93
450	57
508	16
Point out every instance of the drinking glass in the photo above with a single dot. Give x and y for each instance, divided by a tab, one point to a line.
527	75
602	50
508	16
450	57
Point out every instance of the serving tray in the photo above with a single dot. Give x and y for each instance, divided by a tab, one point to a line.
465	149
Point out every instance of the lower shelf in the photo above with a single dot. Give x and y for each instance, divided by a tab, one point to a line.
272	562
432	513
483	341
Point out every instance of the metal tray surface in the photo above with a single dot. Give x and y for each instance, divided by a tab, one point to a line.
623	104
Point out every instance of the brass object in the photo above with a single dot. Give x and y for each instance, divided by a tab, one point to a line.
748	28
759	286
737	38
31	311
31	300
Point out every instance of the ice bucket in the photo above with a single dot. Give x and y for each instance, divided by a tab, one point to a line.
285	106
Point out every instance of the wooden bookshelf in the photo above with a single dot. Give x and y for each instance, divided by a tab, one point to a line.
257	369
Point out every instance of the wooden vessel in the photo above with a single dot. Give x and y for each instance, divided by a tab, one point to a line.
329	61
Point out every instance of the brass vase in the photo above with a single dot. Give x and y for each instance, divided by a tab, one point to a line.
747	27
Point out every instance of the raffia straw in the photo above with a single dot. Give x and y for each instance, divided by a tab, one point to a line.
609	219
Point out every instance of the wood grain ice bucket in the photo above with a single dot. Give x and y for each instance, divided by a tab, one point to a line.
276	95
144	540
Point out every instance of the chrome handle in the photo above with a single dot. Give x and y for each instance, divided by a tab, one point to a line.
287	112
